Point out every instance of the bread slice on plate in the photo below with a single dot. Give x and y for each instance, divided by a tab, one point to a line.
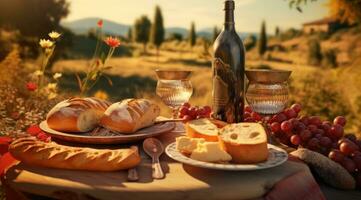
245	142
202	128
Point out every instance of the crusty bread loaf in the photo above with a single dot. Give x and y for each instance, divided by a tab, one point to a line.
130	115
76	114
38	153
245	142
202	128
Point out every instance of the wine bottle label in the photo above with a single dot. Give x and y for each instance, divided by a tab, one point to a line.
224	91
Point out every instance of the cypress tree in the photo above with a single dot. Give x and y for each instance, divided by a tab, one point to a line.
262	42
142	31
192	35
277	31
130	34
157	32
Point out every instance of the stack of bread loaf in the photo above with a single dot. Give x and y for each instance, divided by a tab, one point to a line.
79	115
243	143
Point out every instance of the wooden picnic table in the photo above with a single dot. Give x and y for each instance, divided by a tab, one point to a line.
291	179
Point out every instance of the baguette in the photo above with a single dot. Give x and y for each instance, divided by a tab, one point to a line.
52	155
130	115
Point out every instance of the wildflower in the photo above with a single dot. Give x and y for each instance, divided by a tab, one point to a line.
46	43
31	86
38	73
54	35
33	130
57	75
112	42
15	115
100	23
51	86
101	95
52	95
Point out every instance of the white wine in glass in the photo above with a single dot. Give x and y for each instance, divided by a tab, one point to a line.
174	88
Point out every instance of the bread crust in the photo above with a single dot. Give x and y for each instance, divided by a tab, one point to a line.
130	115
244	153
65	116
34	152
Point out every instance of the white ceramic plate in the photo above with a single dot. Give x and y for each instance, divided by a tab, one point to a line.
276	157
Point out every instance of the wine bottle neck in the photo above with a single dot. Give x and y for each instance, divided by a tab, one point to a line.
229	15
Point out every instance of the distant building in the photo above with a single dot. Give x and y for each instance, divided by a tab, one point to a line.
325	25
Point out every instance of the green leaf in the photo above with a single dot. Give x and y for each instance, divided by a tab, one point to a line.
299	9
80	85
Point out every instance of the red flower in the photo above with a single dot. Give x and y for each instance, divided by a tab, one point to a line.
31	86
112	42
33	130
100	23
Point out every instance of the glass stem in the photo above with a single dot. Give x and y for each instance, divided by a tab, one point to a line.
174	113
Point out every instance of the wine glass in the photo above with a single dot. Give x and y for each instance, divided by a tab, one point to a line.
174	88
267	90
267	93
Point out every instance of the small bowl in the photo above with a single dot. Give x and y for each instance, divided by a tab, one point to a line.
268	76
173	74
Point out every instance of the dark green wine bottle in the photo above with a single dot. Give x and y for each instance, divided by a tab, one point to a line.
228	71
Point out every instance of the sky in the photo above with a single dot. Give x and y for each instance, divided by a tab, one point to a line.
205	13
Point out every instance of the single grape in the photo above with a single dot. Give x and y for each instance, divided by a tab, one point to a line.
193	112
248	108
183	110
313	143
318	136
319	131
280	117
187	118
326	127
246	115
294	121
286	126
299	127
340	120
275	127
326	142
336	155
315	120
349	165
201	111
290	113
348	148
296	107
207	109
256	116
305	135
295	140
304	120
327	122
336	131
312	128
186	104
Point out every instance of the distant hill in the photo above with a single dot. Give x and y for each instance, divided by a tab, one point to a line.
82	26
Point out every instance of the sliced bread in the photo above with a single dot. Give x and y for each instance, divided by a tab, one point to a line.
202	128
245	142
